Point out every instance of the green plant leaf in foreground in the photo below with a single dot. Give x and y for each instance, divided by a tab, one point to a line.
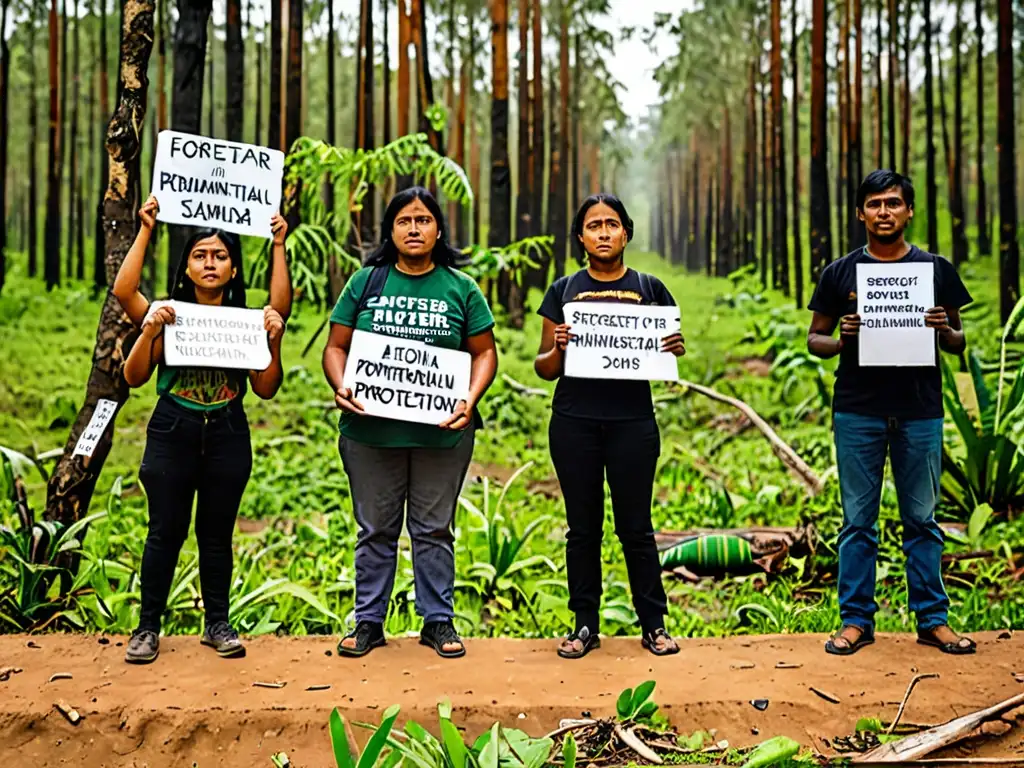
339	741
772	752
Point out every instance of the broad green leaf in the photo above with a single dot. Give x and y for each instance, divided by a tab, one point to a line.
772	752
623	706
978	520
569	751
343	755
642	694
490	752
872	724
379	738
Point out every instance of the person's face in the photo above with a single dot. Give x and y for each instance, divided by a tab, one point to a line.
886	214
603	237
415	231
209	264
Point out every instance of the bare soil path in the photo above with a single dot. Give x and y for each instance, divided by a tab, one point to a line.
191	707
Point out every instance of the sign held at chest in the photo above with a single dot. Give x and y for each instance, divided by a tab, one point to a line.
220	184
891	301
215	337
406	380
619	341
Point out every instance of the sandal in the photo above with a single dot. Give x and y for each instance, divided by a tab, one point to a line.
584	635
438	634
650	642
866	637
368	635
961	647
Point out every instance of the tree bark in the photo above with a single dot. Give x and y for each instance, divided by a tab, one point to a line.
404	41
981	202
556	204
5	84
33	152
843	138
211	108
72	240
909	10
931	189
725	243
73	481
425	83
821	210
537	140
187	98
751	160
879	99
855	150
460	234
576	131
893	41
1009	258
766	183
501	192
234	72
62	130
561	200
956	202
798	249
780	241
275	134
99	272
523	219
161	65
386	72
260	85
51	267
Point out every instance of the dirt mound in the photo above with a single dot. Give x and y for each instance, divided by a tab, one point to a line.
192	707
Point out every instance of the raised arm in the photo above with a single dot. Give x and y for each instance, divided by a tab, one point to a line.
550	361
280	277
149	348
129	276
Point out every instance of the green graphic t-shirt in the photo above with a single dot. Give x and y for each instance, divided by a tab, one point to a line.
441	308
200	389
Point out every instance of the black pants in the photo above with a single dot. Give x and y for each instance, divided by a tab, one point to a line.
583	451
192	456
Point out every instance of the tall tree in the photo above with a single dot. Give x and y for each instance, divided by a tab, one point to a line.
523	219
931	189
956	201
260	42
855	150
99	274
537	139
386	72
798	248
460	231
843	138
33	151
780	239
73	481
5	84
821	212
500	176
234	72
211	109
556	207
750	179
879	121
404	85
293	111
725	263
51	267
1009	257
893	78
766	182
62	129
561	199
79	272
981	201
161	65
909	11
187	97
275	134
365	133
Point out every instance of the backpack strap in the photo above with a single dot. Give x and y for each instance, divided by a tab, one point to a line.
374	286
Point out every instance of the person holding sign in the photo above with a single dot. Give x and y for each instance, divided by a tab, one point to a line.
410	292
894	408
197	441
605	426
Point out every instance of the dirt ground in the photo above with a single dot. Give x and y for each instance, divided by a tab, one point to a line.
192	708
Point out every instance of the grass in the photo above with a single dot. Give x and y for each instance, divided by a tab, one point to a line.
294	566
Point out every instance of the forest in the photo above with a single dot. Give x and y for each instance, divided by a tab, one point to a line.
741	178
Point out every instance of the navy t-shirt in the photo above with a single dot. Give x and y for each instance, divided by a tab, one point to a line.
604	399
889	392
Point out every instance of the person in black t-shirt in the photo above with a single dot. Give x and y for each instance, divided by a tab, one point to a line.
894	409
600	426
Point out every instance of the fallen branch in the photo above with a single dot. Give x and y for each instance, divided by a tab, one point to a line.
906	698
632	741
314	337
797	466
572	726
921	744
522	388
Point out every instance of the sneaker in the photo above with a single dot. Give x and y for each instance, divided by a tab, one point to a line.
143	648
367	634
438	634
223	639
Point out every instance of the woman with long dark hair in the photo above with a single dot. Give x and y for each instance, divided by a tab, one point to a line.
410	289
197	441
605	427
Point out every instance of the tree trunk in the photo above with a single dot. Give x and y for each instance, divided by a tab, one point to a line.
187	98
260	85
981	202
52	226
725	244
879	121
73	481
161	65
425	83
62	129
79	263
855	150
1009	259
821	210
576	130
766	182
460	234
386	72
501	192
234	72
33	151
956	202
332	111
211	109
929	133
5	84
523	219
909	9
362	222
893	41
751	159
798	249
404	40
560	144
537	193
694	249
293	108
780	241
99	272
843	143
275	134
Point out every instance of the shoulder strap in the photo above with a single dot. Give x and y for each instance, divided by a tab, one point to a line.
374	285
646	288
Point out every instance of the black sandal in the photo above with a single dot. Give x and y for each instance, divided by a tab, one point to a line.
589	639
368	635
650	642
866	637
927	637
438	634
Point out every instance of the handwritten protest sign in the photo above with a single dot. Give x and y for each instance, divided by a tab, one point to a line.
90	438
406	380
215	337
620	341
891	301
220	184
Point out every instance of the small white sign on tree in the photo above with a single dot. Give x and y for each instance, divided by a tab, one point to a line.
406	380
891	302
215	337
620	341
220	184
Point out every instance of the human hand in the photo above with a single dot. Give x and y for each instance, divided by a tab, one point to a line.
272	322
147	213
460	419
562	336
849	325
937	318
344	401
155	321
279	228
675	344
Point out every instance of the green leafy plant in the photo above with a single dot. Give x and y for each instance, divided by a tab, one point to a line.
346	754
635	706
487	263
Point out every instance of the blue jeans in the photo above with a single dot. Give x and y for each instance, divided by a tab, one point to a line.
915	447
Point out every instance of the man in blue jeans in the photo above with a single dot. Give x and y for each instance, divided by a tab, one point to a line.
894	409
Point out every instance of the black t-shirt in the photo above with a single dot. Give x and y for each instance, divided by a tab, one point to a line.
901	393
604	399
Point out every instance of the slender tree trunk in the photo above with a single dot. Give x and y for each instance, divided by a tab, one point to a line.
404	41
725	254
821	210
523	221
855	151
234	72
929	132
33	151
475	159
99	273
981	202
501	184
63	141
709	222
257	128
293	109
1009	258
211	109
780	240
187	97
798	248
537	193
52	226
751	160
766	183
556	203
909	11
72	240
892	42
879	98
5	84
461	234
73	481
425	89
843	158
386	72
161	65
693	249
956	202
364	125
275	109
576	130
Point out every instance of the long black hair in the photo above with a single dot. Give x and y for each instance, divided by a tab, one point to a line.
577	223
234	292
444	254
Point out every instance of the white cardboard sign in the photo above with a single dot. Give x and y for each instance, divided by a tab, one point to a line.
406	380
220	184
891	302
90	437
620	341
215	337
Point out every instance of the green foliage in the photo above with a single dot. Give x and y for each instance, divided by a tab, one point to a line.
772	752
636	705
487	262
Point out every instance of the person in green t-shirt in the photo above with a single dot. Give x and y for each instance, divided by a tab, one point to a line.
197	441
410	290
